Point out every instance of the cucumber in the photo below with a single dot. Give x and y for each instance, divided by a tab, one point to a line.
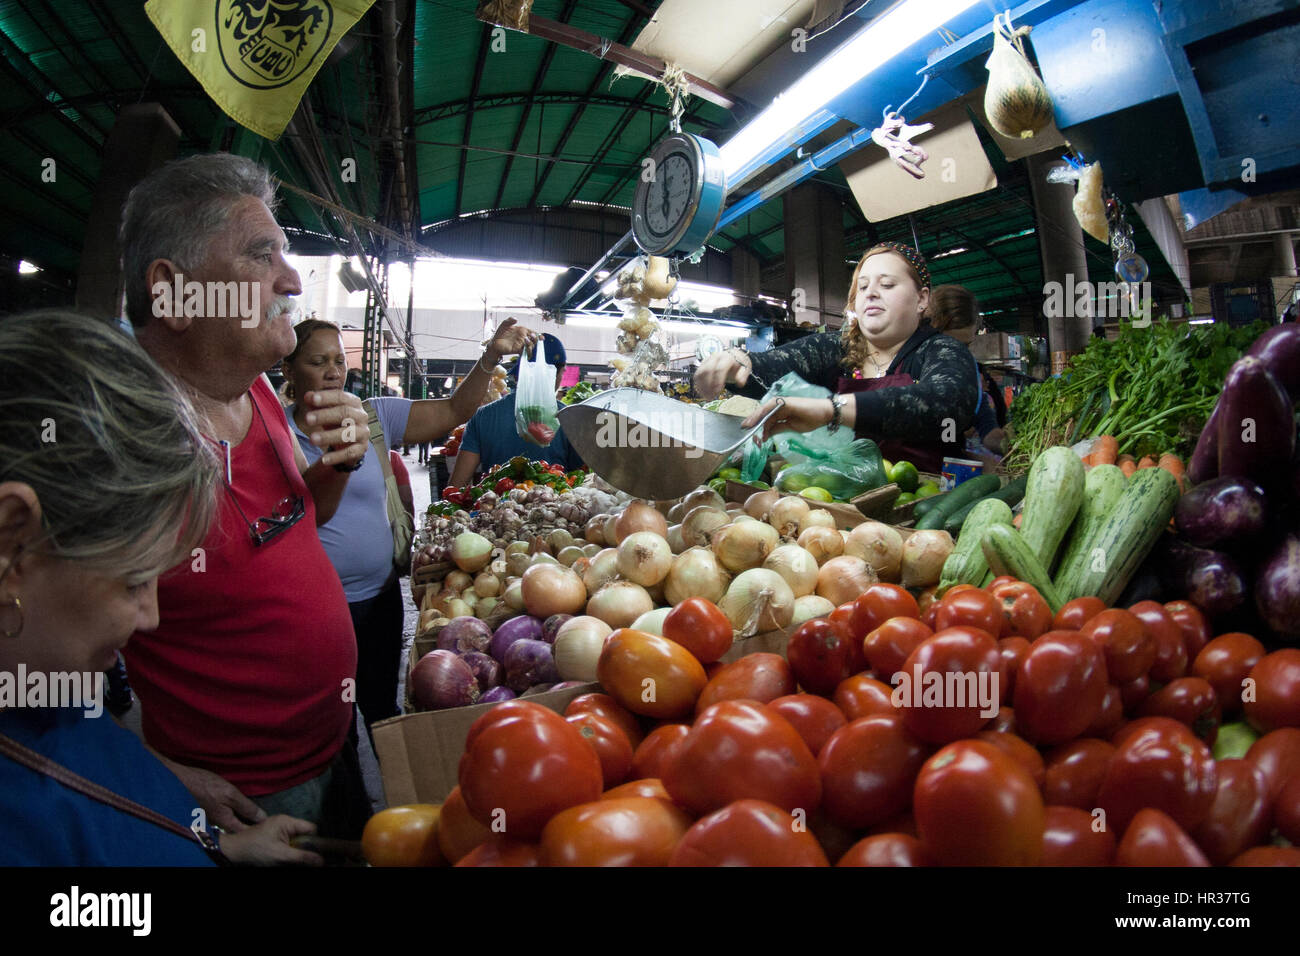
1052	499
1101	491
967	564
967	492
1010	493
1120	543
924	505
1007	552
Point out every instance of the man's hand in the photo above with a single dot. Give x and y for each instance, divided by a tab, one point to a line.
338	423
796	415
510	339
713	374
220	799
267	844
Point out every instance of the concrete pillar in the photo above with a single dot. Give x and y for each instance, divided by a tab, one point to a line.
1284	252
814	254
143	138
745	271
1060	243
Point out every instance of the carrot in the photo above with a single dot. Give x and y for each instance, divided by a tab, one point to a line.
1174	465
1147	462
1016	520
1128	467
1105	450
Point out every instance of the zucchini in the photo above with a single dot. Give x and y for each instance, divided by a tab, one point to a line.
967	492
1010	493
1120	543
1052	499
1007	552
1101	491
967	564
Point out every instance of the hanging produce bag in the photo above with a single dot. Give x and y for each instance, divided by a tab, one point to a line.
845	472
1016	101
535	405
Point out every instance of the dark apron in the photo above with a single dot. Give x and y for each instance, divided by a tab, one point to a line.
927	456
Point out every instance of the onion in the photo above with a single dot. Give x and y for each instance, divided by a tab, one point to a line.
594	530
924	553
551	626
644	558
745	544
516	547
513	597
552	589
566	684
529	663
810	606
676	512
797	566
822	543
443	598
559	539
652	622
487	671
639	516
842	579
537	689
745	517
469	596
541	557
591	550
604	568
581	565
487	585
620	603
879	545
486	606
759	504
674	537
496	695
577	647
700	524
611	532
464	634
758	600
518	628
656	592
471	552
817	518
786	515
441	679
517	562
457	580
696	573
458	608
539	546
568	556
734	509
703	495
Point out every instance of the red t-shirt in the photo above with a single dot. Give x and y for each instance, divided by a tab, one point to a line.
245	673
400	474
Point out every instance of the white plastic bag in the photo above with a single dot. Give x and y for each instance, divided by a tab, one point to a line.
535	404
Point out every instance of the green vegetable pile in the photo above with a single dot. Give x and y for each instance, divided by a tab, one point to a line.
1151	388
577	393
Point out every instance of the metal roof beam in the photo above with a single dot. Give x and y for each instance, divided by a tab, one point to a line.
688	115
8	50
451	108
484	43
614	133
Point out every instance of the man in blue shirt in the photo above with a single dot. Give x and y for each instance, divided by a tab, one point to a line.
491	439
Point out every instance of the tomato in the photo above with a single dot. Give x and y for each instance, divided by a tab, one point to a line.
1158	763
815	718
739	749
820	654
502	853
842	617
659	747
1019	750
1071	838
539	746
648	787
886	849
1226	662
887	647
1171	648
749	833
834	839
650	675
1190	620
1061	687
1286	808
1269	856
1128	649
697	625
458	832
868	769
1012	652
1239	815
602	705
1277	755
610	744
864	696
999	581
929	611
762	677
628	831
1155	839
969	607
877	604
948	686
1004	722
1188	700
1074	614
1073	773
1276	702
507	708
1133	693
1024	611
1111	717
403	836
975	806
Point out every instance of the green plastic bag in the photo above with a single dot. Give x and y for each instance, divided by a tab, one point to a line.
845	473
794	447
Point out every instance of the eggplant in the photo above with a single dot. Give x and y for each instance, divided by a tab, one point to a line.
1226	509
1279	350
1213	581
1277	589
1204	463
1256	424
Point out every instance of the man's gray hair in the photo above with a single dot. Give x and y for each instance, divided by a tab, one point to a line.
174	212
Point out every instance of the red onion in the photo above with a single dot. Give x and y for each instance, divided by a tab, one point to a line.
441	679
496	695
551	626
464	634
537	689
529	662
566	684
523	627
486	670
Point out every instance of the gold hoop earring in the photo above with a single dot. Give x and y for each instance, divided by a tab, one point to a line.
9	633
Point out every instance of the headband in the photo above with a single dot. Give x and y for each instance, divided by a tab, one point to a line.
914	259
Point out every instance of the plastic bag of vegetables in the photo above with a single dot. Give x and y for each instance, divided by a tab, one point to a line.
1015	100
794	447
845	472
535	405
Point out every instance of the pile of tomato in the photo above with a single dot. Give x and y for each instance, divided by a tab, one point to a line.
1095	749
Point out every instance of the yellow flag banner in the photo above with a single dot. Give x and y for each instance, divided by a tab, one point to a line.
255	58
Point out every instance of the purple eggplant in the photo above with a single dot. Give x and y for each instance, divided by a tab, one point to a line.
1213	581
1279	350
529	662
1221	511
1256	423
1277	589
1204	463
486	669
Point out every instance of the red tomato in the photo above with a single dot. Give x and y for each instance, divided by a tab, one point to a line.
1226	662
975	806
1195	628
403	836
834	839
1269	856
815	718
887	646
868	769
1276	701
1004	722
649	787
1024	611
658	748
1239	817
1158	763
1133	693
1074	614
502	853
999	580
1171	648
820	655
1277	755
540	747
458	832
739	749
602	705
649	674
1155	839
610	744
947	688
1071	838
1012	652
886	849
749	833
1188	700
1111	717
1128	648
863	696
697	625
761	677
877	604
1286	808
929	609
842	617
1074	771
629	831
1061	687
1019	750
507	708
969	607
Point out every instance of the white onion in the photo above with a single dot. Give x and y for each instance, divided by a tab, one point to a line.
487	585
817	518
521	547
652	622
603	569
471	552
639	516
552	589
469	595
797	566
879	545
569	555
457	580
745	517
786	515
656	592
843	579
676	512
696	573
810	606
591	550
541	557
644	558
559	539
594	531
485	606
822	543
620	603
703	495
759	504
513	595
443	598
758	600
577	647
458	608
924	553
700	524
674	537
745	544
517	562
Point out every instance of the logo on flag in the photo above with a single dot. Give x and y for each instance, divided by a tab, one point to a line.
266	44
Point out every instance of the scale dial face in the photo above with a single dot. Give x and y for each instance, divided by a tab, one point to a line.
667	202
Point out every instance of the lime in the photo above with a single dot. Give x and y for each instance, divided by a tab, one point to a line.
905	475
792	483
729	474
719	485
904	498
816	494
760	485
927	489
888	465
